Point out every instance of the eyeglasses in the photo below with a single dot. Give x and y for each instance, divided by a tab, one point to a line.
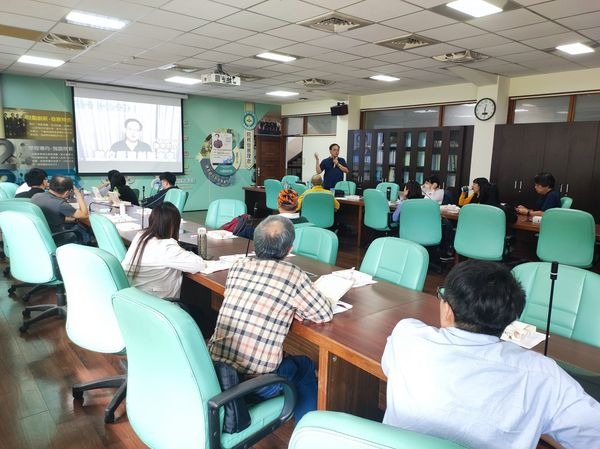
440	293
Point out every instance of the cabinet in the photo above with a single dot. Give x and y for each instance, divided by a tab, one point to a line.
570	151
400	155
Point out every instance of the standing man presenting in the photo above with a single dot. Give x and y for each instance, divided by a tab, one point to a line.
334	167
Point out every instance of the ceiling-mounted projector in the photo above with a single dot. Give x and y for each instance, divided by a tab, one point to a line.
224	79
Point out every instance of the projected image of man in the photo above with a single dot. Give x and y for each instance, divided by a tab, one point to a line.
131	147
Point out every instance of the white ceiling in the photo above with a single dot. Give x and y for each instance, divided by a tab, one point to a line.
203	33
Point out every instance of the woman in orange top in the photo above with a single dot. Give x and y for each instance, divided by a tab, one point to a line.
465	198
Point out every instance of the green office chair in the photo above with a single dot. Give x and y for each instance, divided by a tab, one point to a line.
398	261
394	189
567	236
316	243
323	429
173	395
575	309
377	211
272	189
480	232
32	260
566	202
299	188
349	187
136	192
107	236
223	211
9	189
421	222
91	277
290	179
318	208
177	197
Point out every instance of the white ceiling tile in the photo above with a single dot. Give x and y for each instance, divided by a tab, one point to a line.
176	50
528	56
204	9
251	21
505	49
592	33
303	50
582	20
363	63
34	9
336	42
235	48
377	10
81	31
554	40
14	42
153	31
418	21
564	8
196	40
422	63
217	56
289	10
505	20
369	50
373	33
297	33
253	63
153	3
130	40
172	20
452	32
28	22
484	40
266	42
114	8
221	31
336	56
434	50
240	3
533	31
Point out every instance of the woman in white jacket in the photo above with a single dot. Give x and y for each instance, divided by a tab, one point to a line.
155	262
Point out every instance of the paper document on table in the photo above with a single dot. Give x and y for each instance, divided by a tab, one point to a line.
232	258
128	226
118	218
523	334
358	278
220	234
213	266
332	287
341	306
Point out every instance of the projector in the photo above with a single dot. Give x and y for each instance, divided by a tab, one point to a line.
223	79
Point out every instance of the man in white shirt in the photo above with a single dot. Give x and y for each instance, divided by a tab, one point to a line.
462	383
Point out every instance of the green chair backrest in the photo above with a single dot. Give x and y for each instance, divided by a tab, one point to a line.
299	188
91	276
136	192
398	261
177	197
566	202
170	376
421	222
223	211
19	204
316	243
324	429
377	210
394	189
107	236
318	208
290	179
575	309
480	232
272	189
31	246
349	187
9	189
567	236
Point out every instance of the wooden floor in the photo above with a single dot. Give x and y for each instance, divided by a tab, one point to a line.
37	370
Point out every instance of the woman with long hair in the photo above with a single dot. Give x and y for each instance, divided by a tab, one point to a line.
118	183
473	198
155	262
412	190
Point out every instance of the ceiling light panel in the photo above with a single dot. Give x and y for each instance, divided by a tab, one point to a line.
46	62
183	80
475	8
575	49
96	20
276	57
385	78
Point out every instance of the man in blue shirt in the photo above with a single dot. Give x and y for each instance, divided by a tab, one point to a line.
334	167
549	198
462	383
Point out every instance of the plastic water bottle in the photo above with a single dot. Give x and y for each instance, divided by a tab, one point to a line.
388	193
202	243
156	185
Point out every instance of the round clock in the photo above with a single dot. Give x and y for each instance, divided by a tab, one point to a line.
249	120
485	109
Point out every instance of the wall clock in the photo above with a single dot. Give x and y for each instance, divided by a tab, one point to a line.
485	109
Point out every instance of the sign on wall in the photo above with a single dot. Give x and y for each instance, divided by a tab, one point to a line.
219	157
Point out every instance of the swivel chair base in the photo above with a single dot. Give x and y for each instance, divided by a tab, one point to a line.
48	310
119	382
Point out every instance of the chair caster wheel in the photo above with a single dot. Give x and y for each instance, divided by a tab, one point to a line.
11	291
109	417
77	395
26	313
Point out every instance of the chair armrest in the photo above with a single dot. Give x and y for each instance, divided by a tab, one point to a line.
243	389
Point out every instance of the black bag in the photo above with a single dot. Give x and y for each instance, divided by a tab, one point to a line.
243	227
236	416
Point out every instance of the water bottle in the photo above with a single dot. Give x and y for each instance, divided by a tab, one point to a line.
156	185
202	243
388	193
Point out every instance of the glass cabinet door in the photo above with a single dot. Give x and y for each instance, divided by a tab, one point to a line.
366	169
391	160
379	151
454	146
355	156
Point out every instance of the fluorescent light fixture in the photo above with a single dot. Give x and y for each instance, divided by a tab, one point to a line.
183	80
575	49
425	111
95	20
562	112
384	78
282	93
47	62
276	57
475	8
521	110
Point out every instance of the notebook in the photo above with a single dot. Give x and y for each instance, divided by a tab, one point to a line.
333	287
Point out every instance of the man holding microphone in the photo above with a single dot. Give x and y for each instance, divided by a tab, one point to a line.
333	166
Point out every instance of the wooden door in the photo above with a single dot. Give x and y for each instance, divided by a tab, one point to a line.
579	180
270	158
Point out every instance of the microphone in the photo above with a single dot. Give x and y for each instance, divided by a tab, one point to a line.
142	203
252	225
553	276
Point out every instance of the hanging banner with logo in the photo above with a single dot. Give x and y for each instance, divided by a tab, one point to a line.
219	157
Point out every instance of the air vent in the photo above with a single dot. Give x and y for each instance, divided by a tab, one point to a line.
335	23
407	42
315	82
461	57
68	42
180	68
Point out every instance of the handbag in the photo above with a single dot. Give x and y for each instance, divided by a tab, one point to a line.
237	417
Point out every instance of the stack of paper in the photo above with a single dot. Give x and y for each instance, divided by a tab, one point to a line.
215	265
128	226
523	334
358	278
220	234
333	287
232	258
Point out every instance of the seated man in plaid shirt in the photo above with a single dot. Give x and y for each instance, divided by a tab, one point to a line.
262	297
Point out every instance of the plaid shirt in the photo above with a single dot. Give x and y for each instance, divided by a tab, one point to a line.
261	299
